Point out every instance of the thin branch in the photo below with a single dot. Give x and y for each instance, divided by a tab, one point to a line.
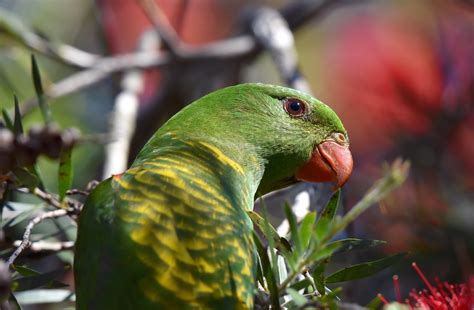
25	243
124	116
14	27
162	26
237	47
46	197
45	246
75	191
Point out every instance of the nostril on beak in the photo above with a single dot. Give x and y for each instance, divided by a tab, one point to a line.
340	138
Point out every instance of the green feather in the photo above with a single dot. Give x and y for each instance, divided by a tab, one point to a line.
173	231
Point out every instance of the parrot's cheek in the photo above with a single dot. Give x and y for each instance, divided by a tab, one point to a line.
330	162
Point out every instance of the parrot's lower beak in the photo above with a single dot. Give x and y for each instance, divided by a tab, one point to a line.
330	162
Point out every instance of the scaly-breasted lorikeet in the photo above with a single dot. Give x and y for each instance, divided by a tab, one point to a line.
172	231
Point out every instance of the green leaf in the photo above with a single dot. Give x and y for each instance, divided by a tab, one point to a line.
306	229
35	171
13	302
301	284
7	119
17	125
374	304
298	299
26	178
45	111
326	220
319	278
268	273
263	225
34	279
324	252
350	244
295	236
4	195
65	172
25	271
363	270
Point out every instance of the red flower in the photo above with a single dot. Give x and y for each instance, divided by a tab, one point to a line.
443	296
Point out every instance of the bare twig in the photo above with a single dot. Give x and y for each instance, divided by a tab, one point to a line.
45	246
241	46
273	32
16	29
75	191
103	69
162	26
125	113
25	243
46	197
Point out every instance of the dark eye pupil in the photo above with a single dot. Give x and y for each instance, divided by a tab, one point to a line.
295	106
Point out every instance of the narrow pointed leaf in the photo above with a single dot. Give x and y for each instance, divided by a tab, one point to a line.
301	284
363	270
326	220
298	299
374	304
295	236
306	229
65	172
268	273
324	252
280	243
45	111
34	170
26	178
17	125
7	119
350	244
37	280
319	277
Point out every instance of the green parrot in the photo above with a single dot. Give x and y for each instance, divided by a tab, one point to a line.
172	232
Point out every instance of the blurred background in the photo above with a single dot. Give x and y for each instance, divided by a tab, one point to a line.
399	73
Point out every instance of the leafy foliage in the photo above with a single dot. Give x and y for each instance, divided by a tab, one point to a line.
313	245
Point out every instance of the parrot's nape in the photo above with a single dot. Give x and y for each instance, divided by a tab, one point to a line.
172	232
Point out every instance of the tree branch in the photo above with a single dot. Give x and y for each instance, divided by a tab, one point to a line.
25	243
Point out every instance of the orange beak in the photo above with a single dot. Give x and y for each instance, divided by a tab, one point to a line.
330	162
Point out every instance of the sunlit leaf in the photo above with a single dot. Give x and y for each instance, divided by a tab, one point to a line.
306	229
297	298
374	304
363	270
301	284
324	252
280	243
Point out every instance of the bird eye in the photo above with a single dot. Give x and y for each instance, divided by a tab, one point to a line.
294	107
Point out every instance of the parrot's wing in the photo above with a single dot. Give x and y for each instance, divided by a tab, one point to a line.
174	245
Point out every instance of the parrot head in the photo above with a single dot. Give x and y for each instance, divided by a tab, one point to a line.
280	135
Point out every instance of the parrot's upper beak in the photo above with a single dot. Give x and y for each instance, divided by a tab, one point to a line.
331	161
